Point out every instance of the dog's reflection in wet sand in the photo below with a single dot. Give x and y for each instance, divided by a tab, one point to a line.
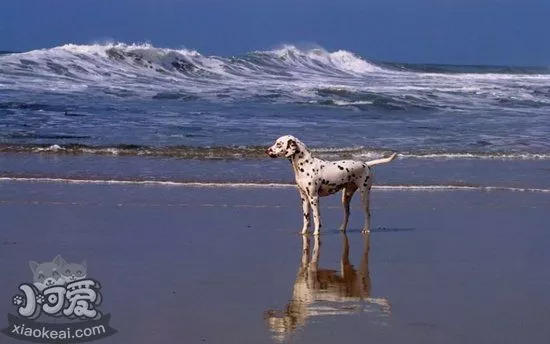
323	292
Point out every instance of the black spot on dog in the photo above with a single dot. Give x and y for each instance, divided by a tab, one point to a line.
347	169
301	170
340	167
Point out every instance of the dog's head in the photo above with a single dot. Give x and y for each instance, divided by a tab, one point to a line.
282	324
285	146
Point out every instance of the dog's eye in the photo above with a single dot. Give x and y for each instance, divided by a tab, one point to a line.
79	273
67	272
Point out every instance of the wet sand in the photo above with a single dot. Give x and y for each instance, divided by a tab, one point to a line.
226	265
402	171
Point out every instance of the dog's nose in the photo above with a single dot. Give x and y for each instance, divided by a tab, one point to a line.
270	153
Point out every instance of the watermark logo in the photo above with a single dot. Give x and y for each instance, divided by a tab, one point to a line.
60	290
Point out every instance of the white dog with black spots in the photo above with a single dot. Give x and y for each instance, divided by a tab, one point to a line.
318	178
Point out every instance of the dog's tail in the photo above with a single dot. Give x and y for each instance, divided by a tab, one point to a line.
381	161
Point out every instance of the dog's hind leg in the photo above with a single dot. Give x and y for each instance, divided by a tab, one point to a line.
347	194
365	198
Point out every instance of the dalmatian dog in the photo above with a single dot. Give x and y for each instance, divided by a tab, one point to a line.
318	178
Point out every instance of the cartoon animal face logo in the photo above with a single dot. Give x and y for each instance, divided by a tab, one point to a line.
56	272
73	272
46	274
285	146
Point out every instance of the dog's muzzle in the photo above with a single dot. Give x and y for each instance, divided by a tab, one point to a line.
270	153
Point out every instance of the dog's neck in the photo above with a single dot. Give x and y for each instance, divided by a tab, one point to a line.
300	159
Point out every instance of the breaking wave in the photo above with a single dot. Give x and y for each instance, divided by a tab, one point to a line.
288	74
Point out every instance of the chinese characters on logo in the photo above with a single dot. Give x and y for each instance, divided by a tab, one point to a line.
74	300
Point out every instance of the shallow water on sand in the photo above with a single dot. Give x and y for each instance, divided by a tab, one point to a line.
411	173
224	265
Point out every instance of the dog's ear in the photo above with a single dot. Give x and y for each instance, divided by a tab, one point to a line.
291	148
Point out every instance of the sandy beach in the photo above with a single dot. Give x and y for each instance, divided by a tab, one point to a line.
226	265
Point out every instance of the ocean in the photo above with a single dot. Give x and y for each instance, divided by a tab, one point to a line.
115	113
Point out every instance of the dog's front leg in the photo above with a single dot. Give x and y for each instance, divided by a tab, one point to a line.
314	201
305	209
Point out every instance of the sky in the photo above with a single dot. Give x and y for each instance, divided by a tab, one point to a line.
484	32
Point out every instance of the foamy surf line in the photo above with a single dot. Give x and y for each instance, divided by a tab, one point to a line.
253	152
426	188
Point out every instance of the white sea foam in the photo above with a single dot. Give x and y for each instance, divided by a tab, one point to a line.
350	103
426	188
478	156
347	61
255	152
295	73
52	148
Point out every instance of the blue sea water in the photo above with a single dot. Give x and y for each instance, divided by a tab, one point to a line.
126	100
